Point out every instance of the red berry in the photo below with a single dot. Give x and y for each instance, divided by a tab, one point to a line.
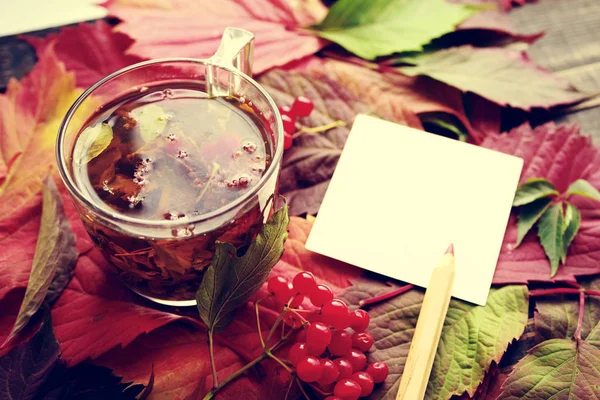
287	110
289	124
357	359
332	398
302	106
344	367
297	352
301	335
304	282
318	336
314	316
320	295
336	313
347	389
362	341
292	320
378	371
284	296
341	343
277	284
298	299
330	372
288	141
309	369
359	320
365	381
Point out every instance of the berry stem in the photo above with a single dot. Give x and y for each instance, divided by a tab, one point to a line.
275	324
212	358
262	342
289	389
385	296
302	389
318	129
577	333
274	357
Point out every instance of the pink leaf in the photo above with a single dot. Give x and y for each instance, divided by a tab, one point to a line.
561	155
193	28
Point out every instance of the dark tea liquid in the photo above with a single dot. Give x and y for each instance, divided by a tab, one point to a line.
171	153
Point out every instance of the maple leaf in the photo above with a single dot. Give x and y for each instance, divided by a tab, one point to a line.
556	368
504	76
371	29
457	368
179	28
308	166
89	50
561	155
96	312
31	112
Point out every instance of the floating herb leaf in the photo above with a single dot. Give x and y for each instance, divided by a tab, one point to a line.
54	259
231	281
151	121
92	141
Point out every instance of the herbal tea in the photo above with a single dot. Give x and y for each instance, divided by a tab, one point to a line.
172	154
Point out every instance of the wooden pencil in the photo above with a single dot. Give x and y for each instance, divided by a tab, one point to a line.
428	331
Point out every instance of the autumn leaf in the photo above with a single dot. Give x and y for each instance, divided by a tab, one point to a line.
561	155
31	111
456	367
308	166
556	368
506	77
371	29
89	50
96	312
231	281
54	259
178	28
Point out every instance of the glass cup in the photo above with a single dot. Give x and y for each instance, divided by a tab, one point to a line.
164	260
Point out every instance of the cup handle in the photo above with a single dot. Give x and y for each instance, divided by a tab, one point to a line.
235	50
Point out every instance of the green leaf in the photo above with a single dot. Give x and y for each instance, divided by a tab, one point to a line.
151	120
583	188
92	141
461	134
594	336
532	190
555	369
373	28
529	214
504	76
550	232
570	228
231	281
54	260
473	336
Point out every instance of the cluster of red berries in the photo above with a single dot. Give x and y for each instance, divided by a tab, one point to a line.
325	352
302	107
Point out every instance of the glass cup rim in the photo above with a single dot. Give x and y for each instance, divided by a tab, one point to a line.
114	216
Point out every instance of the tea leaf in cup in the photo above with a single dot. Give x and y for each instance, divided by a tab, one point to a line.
151	120
93	141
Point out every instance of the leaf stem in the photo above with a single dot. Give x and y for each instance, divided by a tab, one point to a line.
386	296
234	376
262	342
212	358
302	388
577	333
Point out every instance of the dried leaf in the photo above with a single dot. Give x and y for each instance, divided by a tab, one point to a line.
231	281
178	28
556	368
91	142
532	190
458	367
561	155
54	260
371	29
506	77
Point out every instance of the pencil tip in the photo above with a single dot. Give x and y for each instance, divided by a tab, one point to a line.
450	249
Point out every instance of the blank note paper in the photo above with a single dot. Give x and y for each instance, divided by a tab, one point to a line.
399	196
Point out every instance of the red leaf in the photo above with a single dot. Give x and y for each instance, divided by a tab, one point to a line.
561	155
485	117
91	51
96	312
193	28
